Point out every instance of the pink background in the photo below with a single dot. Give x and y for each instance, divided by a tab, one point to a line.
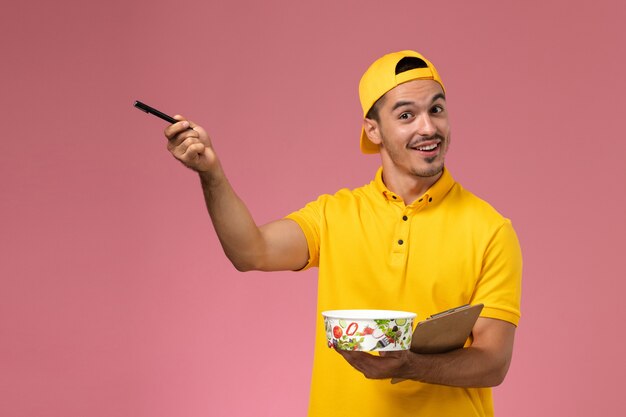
115	296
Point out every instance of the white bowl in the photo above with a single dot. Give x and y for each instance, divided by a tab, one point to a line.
369	330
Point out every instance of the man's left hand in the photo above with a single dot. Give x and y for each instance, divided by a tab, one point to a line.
392	364
483	364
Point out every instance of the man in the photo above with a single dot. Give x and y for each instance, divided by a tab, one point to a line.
413	239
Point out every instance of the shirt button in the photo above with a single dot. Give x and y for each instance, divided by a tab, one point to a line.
400	242
405	218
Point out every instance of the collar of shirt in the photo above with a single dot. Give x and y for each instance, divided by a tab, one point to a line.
432	196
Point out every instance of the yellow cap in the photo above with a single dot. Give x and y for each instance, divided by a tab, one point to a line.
381	77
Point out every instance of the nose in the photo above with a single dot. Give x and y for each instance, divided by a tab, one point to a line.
425	125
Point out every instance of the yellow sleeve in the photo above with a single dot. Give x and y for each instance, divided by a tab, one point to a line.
499	287
310	220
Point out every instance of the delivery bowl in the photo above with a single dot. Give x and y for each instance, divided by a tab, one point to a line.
368	330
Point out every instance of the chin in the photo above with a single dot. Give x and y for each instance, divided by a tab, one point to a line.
428	171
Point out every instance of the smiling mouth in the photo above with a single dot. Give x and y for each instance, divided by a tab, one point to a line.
428	147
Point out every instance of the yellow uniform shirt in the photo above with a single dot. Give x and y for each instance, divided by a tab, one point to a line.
373	251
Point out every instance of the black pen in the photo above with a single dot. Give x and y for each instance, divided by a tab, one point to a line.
151	110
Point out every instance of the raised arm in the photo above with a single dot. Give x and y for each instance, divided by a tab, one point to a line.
279	245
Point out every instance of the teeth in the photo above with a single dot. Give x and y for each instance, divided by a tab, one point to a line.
427	148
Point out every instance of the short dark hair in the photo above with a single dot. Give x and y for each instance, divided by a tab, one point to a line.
405	64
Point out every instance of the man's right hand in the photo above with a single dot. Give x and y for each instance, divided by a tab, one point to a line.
191	145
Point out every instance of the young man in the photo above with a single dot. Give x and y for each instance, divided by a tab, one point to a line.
413	239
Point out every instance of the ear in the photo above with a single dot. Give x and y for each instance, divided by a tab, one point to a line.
372	129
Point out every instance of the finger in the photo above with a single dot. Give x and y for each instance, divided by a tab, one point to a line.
387	365
191	123
179	148
350	358
194	126
390	353
182	137
362	362
355	357
175	129
193	151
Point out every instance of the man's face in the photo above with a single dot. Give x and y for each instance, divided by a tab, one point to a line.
412	129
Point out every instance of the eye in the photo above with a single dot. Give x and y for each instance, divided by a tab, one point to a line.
405	115
437	109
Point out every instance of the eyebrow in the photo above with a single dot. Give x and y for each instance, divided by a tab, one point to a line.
406	103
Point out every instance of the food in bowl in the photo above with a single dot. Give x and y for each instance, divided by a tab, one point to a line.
368	330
